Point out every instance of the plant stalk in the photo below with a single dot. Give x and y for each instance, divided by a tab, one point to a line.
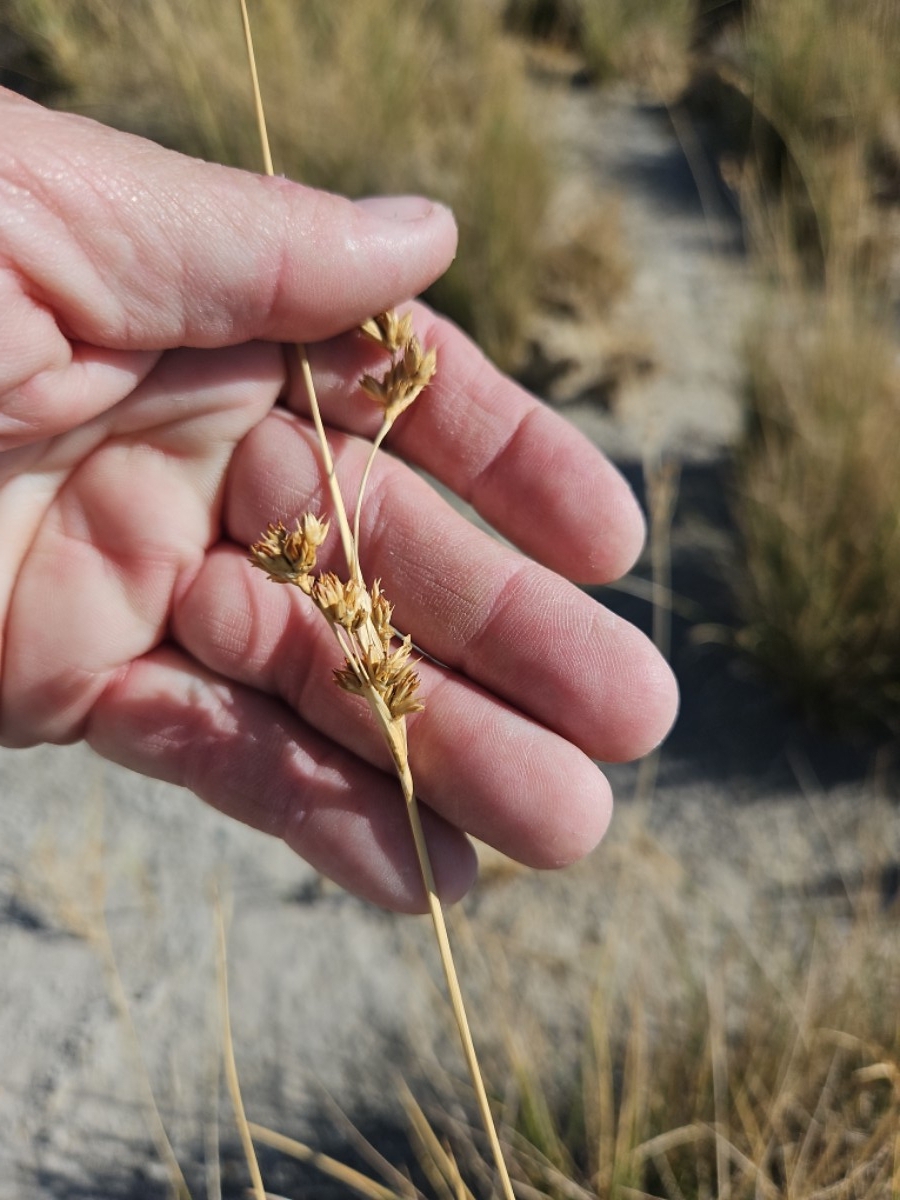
394	732
393	729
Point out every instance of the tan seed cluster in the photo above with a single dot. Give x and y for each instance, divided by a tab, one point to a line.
411	367
360	616
289	557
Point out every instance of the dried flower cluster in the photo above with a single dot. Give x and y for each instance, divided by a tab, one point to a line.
411	367
359	615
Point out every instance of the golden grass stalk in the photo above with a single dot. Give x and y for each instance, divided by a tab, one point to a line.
96	930
360	615
331	1167
231	1073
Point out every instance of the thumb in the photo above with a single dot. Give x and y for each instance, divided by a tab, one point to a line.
133	247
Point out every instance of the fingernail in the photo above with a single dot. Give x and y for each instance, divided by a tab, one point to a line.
398	208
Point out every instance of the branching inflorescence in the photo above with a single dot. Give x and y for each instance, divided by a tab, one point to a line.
376	667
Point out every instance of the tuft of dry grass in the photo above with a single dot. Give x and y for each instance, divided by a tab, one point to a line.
817	498
647	41
819	509
823	70
588	270
823	84
799	1096
754	1062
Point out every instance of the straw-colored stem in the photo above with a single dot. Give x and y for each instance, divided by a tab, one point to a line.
394	732
257	94
327	460
340	511
178	1183
393	729
322	1162
231	1074
376	444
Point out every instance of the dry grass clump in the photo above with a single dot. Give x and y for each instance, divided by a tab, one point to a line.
645	41
817	497
549	20
824	70
793	1090
819	509
363	96
735	1072
589	269
823	83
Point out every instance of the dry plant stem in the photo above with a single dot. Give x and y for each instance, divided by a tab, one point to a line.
103	939
347	541
231	1075
379	438
453	988
301	350
257	95
393	728
328	1166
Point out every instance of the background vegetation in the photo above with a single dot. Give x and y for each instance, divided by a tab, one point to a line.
798	1093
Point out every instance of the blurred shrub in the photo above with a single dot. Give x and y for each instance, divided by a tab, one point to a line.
554	20
819	509
818	497
645	40
823	81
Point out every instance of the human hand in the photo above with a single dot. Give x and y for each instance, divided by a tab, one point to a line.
149	430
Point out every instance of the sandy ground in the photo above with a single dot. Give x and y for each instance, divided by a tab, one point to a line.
748	823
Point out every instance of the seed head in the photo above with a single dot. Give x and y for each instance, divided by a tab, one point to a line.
390	675
345	604
389	330
403	381
290	557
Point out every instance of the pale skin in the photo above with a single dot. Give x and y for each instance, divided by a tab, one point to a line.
152	424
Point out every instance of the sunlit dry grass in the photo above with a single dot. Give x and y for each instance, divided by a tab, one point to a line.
823	80
766	1065
817	496
644	40
819	506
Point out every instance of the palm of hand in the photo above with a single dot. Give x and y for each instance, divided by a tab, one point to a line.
112	522
134	474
